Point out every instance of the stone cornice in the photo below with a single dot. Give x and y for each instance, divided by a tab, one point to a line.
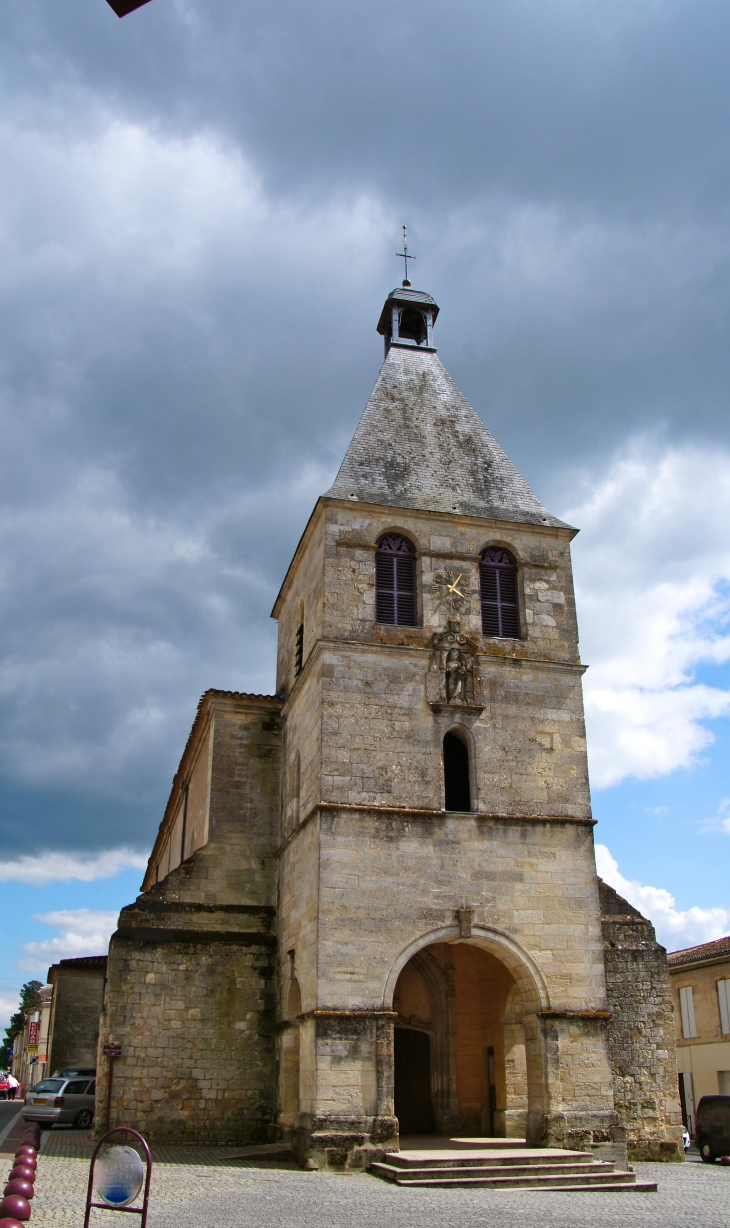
408	812
564	532
160	936
601	1016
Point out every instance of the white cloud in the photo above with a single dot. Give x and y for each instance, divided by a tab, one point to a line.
62	867
9	1000
675	928
83	932
720	821
652	566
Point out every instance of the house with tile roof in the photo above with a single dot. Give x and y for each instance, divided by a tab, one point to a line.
700	978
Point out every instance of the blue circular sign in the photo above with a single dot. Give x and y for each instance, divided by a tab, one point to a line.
118	1176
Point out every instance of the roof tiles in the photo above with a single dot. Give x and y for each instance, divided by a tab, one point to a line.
420	444
706	951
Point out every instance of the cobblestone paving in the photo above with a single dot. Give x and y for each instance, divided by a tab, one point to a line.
196	1188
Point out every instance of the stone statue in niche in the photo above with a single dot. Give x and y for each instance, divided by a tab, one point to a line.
453	676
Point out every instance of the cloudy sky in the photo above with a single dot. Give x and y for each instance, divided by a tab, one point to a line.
199	211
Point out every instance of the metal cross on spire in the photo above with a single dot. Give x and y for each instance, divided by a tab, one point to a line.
405	256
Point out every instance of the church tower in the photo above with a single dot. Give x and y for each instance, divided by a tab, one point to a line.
438	900
372	910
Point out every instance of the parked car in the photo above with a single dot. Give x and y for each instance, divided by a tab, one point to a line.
686	1140
61	1100
712	1131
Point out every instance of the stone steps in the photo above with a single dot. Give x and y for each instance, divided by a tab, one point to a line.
543	1169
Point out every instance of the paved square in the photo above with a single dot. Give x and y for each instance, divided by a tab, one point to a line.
206	1187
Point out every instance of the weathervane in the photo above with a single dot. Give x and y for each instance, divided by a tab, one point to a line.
405	257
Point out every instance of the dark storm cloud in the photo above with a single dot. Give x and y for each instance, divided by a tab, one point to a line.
620	105
200	210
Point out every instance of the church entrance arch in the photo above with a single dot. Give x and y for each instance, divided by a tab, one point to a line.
467	1053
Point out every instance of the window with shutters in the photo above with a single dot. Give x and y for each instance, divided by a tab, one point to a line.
687	1009
457	788
723	998
498	585
395	581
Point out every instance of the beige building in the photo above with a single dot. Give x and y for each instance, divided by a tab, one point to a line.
372	905
30	1047
700	979
78	993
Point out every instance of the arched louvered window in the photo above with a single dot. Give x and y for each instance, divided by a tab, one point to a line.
498	583
457	790
395	581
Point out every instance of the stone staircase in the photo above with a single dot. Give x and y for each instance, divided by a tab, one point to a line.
506	1168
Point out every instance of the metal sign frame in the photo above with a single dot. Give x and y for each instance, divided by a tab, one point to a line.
103	1206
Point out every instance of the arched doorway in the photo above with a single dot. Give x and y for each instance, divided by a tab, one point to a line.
459	1034
412	1081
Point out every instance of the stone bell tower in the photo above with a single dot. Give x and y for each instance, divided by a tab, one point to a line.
371	909
438	910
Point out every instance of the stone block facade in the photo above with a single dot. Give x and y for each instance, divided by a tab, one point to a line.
78	995
191	1000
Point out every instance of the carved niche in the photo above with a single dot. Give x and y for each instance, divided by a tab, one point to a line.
454	679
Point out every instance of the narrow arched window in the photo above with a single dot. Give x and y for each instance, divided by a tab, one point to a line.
457	790
498	583
395	581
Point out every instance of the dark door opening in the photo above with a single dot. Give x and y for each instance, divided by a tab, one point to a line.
412	1082
456	773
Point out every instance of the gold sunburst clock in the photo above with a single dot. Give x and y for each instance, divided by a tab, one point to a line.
451	589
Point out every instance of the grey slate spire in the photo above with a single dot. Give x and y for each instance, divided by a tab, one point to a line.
420	444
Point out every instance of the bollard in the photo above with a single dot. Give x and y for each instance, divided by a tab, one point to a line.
15	1207
22	1170
18	1185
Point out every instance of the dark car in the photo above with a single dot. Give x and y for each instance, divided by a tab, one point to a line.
61	1100
712	1129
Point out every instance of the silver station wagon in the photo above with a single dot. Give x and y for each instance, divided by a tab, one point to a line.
60	1099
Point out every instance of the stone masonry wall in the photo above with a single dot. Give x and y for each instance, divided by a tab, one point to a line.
77	1002
195	1018
191	980
641	1032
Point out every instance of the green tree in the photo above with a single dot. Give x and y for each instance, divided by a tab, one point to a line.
28	1001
